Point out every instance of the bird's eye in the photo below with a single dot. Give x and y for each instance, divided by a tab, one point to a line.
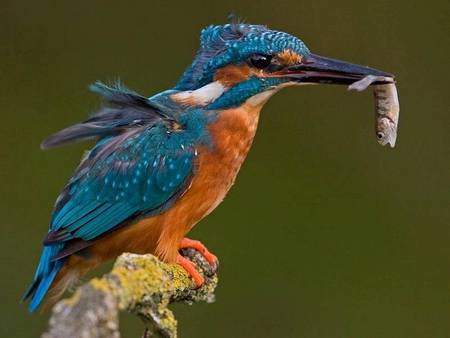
260	61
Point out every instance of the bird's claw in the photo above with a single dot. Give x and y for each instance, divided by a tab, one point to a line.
190	267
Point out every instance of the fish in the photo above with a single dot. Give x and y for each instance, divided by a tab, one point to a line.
387	107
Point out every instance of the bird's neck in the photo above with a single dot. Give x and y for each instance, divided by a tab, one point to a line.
238	122
220	96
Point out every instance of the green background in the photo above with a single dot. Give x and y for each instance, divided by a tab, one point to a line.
325	234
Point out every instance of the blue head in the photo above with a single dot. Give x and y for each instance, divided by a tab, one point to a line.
236	61
235	44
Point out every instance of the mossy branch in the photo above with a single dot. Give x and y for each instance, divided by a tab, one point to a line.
140	284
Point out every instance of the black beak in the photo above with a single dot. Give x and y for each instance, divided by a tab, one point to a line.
319	69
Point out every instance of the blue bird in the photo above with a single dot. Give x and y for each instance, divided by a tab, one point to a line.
161	164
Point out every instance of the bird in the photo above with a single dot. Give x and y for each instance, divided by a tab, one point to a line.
160	164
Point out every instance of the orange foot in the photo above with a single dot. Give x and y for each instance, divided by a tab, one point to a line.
189	266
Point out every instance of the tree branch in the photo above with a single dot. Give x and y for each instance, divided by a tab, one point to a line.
140	284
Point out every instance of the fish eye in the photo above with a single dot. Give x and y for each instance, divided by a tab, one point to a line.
260	61
380	135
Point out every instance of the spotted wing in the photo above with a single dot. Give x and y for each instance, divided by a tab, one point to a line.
134	174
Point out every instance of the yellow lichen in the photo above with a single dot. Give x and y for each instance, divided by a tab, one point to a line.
74	299
100	284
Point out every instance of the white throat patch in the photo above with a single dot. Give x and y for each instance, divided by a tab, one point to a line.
261	98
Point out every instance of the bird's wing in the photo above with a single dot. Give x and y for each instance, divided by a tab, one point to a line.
136	172
123	109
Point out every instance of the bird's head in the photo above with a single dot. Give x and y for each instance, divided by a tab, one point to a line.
238	61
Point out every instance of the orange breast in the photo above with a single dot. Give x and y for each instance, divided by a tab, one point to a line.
217	167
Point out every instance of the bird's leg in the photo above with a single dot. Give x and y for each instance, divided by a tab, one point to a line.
189	266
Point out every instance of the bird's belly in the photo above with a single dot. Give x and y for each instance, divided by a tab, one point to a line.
215	176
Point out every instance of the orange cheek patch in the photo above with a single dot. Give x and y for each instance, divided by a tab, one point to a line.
289	57
232	74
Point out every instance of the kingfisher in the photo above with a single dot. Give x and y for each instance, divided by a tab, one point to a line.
160	164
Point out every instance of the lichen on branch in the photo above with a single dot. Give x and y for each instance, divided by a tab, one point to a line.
140	284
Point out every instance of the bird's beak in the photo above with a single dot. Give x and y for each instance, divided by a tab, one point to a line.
323	70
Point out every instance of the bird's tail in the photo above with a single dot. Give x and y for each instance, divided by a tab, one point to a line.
44	276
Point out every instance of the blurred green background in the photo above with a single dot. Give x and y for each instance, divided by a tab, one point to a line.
325	234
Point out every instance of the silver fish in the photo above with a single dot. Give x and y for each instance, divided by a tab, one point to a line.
387	107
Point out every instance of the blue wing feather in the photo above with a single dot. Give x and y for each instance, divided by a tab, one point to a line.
138	177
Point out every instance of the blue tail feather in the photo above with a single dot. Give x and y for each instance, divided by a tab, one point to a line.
45	274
